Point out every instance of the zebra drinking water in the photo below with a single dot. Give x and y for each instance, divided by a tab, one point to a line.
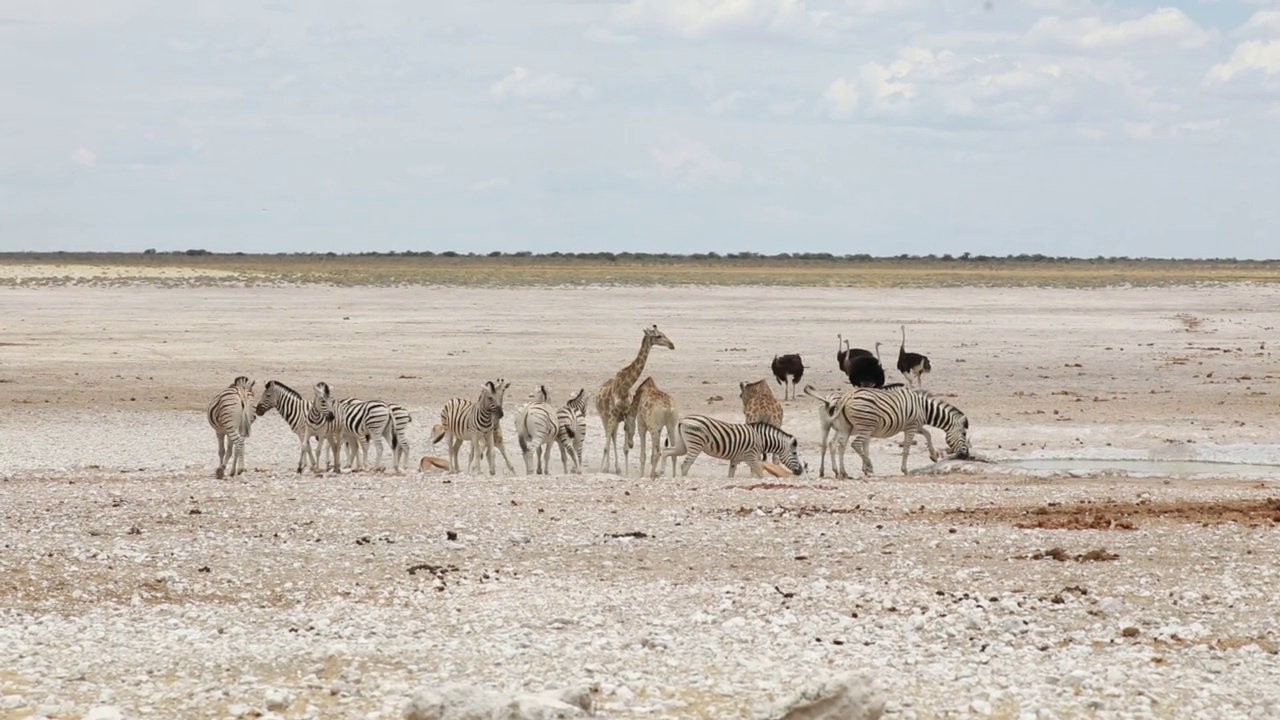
883	413
735	442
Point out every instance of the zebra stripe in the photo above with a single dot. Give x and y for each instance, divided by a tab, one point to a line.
883	413
300	413
569	425
462	420
578	404
735	442
536	431
400	419
231	416
361	419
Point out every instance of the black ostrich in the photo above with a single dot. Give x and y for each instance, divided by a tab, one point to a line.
911	365
847	354
787	371
865	371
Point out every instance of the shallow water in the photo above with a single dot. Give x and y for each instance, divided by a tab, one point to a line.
1155	467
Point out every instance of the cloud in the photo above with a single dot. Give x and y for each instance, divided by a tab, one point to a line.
1248	56
841	98
1262	23
84	156
698	19
689	163
521	84
607	37
1168	26
492	184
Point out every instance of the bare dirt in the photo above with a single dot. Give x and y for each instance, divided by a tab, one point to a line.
130	577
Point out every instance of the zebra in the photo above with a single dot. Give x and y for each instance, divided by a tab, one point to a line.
735	442
883	413
578	404
361	419
462	419
303	417
569	425
231	416
400	419
537	431
829	419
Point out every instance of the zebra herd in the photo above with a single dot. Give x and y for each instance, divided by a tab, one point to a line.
855	417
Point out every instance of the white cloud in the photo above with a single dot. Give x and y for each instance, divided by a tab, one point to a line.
1263	22
841	98
695	19
608	37
492	184
1251	55
84	156
522	84
690	163
1165	25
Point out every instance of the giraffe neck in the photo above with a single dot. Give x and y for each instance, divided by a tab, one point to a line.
628	375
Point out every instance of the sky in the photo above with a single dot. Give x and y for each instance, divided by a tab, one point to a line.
1062	127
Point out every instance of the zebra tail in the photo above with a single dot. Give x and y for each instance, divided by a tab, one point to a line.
244	419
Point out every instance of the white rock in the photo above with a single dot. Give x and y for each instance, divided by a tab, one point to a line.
468	702
104	712
846	697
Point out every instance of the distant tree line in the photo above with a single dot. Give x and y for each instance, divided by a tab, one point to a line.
670	257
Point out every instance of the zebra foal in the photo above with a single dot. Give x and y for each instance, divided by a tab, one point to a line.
882	413
231	416
735	442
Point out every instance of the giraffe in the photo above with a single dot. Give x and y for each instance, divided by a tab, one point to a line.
759	404
651	411
614	397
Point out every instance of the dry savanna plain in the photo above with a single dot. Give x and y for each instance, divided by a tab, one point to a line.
133	584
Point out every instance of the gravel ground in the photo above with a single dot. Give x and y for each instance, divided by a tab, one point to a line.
131	580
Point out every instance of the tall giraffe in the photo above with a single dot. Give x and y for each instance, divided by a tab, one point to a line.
614	397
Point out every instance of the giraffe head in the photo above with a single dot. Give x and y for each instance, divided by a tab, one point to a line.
657	337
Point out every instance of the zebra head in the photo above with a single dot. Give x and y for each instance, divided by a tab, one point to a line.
491	397
323	401
268	399
958	435
781	444
656	337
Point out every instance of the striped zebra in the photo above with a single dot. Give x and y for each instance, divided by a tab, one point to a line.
735	442
578	404
231	416
829	419
303	418
400	420
885	412
359	419
462	420
537	431
569	425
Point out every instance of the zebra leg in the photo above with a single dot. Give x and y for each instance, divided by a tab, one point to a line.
908	437
928	441
860	444
222	454
455	445
733	466
756	470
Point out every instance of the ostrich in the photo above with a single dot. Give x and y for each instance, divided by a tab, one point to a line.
911	365
787	371
865	371
847	354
